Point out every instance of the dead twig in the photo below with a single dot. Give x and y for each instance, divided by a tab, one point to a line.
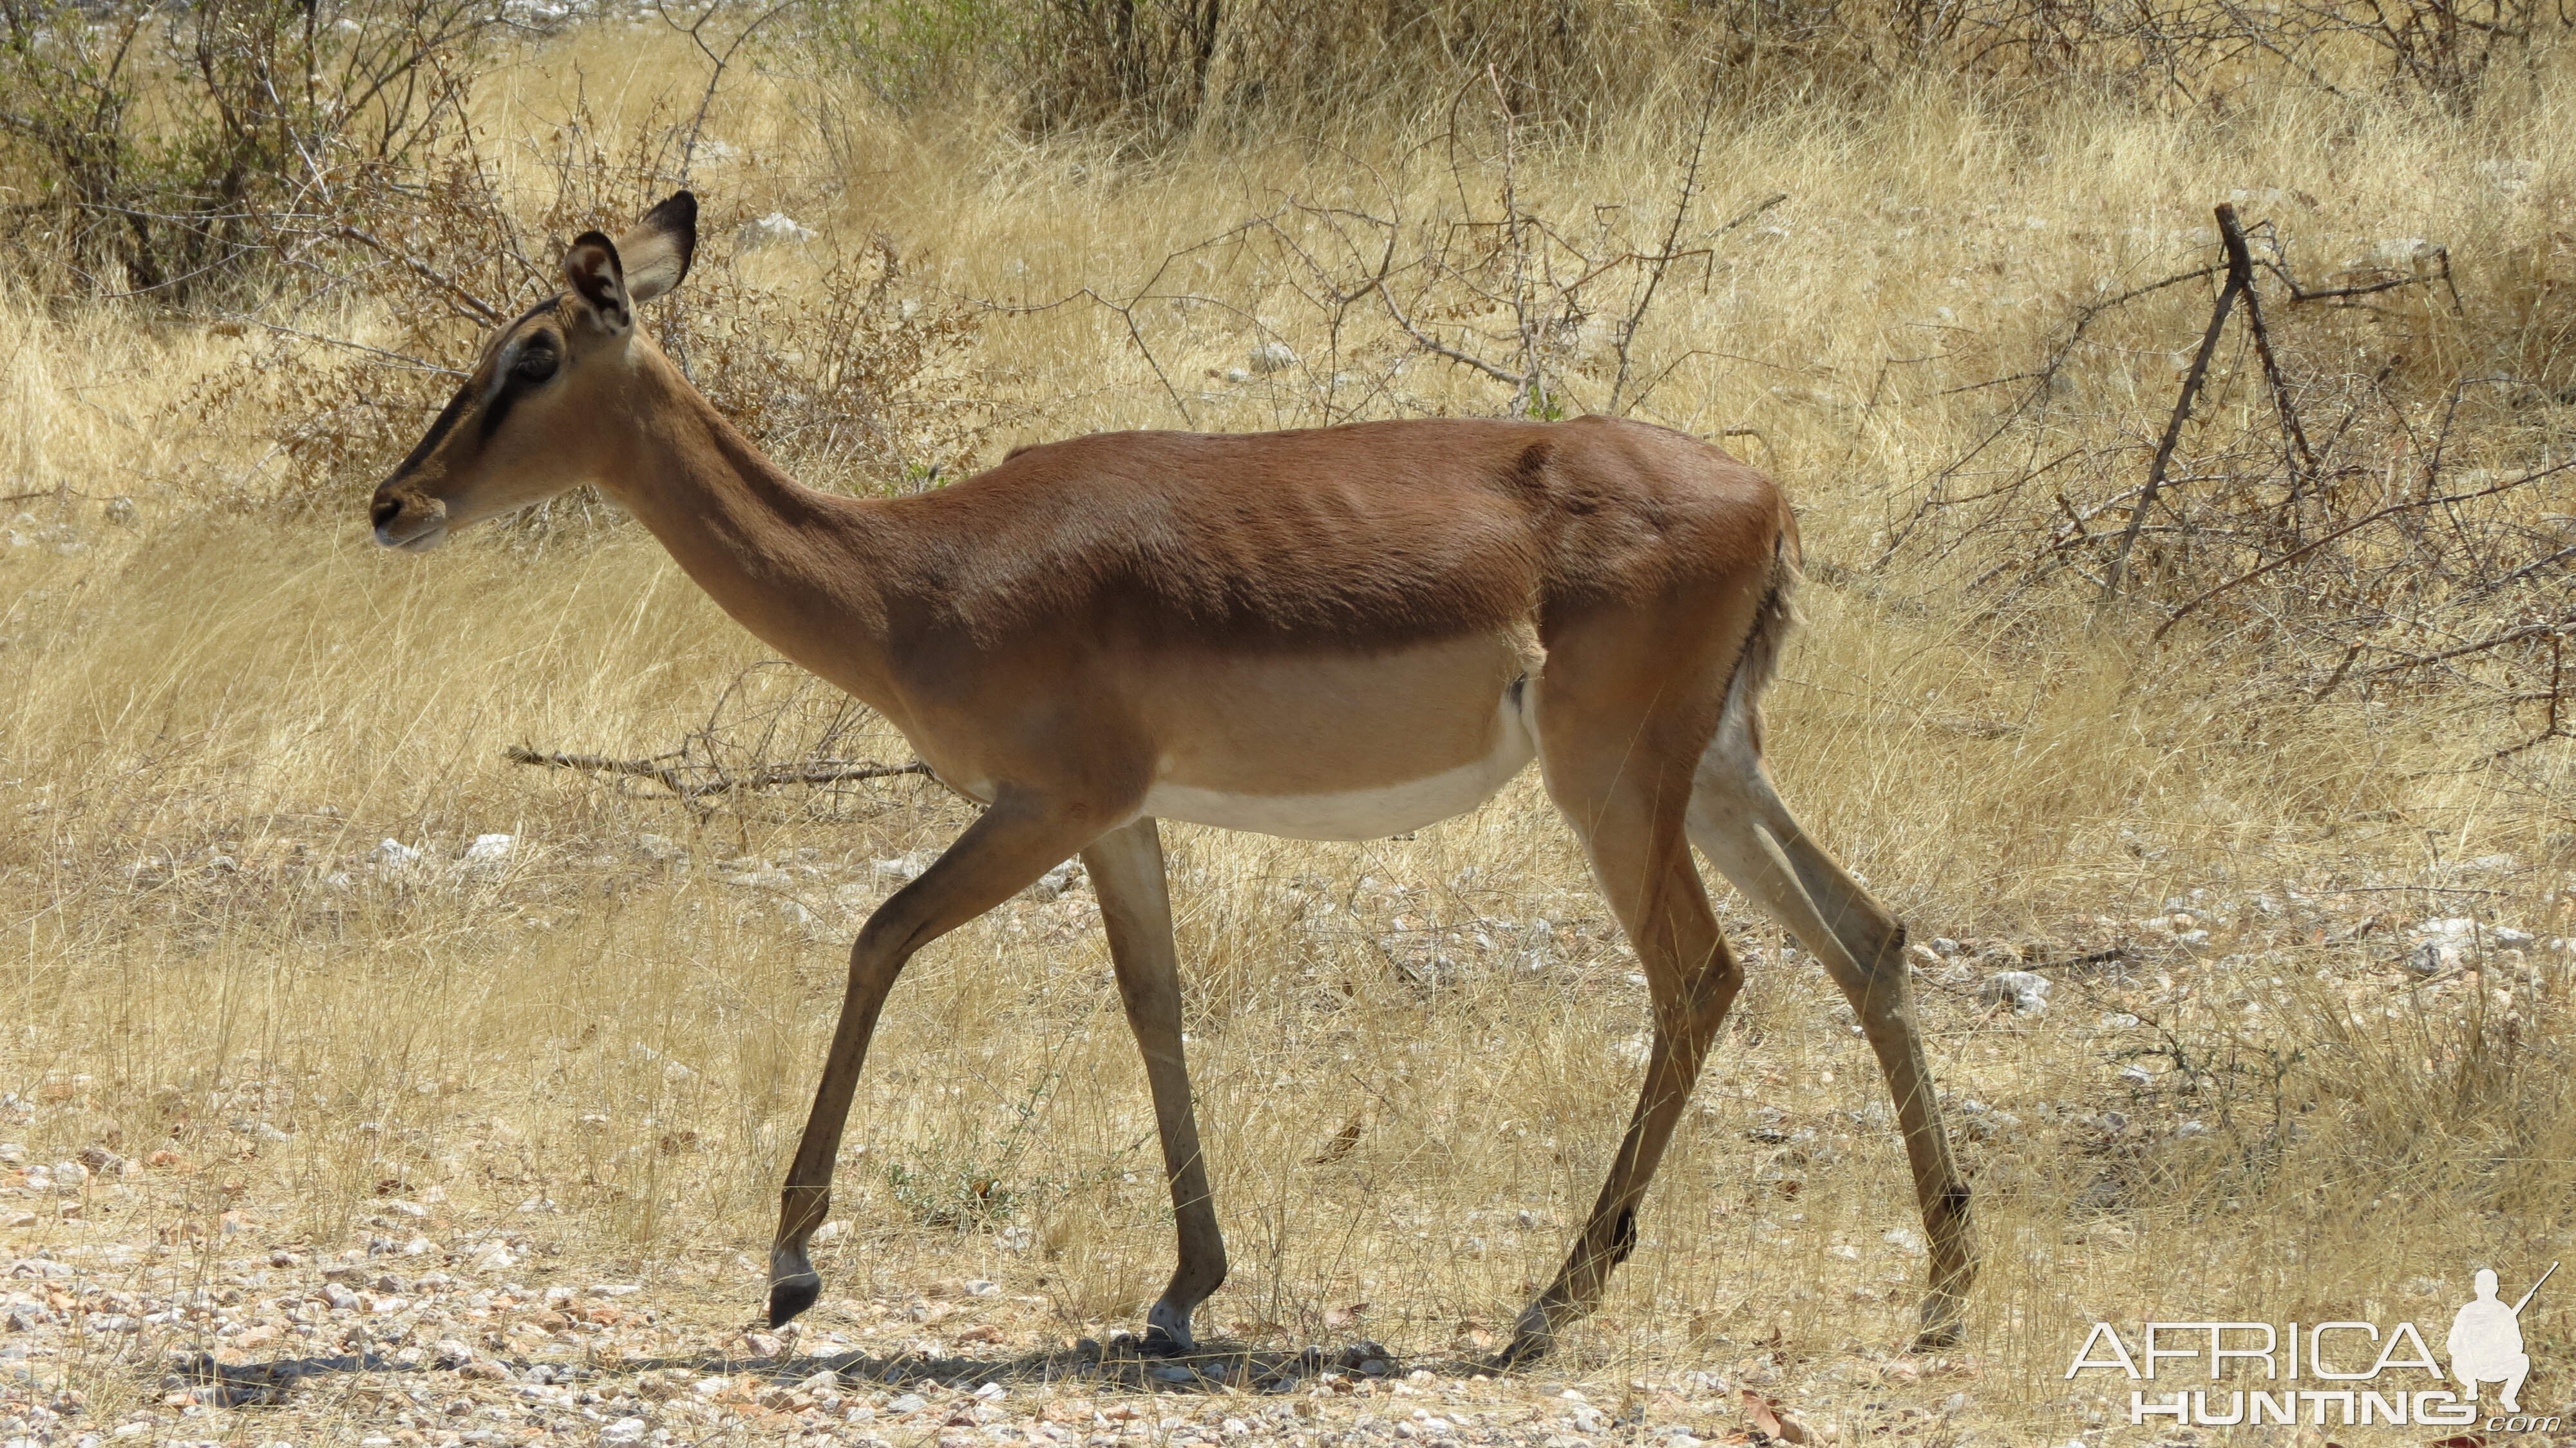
674	778
2240	279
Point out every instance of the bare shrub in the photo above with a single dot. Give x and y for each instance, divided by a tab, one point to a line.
2332	511
170	142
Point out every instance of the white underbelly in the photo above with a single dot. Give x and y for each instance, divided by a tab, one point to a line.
1363	814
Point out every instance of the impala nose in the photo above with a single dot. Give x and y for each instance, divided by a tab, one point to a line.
383	515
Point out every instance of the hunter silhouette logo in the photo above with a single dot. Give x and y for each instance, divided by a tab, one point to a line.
2340	1373
2486	1341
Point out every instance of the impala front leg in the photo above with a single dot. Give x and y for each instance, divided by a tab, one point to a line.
1136	911
1019	839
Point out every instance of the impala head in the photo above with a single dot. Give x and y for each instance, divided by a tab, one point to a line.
530	420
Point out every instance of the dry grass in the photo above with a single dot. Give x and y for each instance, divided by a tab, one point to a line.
213	707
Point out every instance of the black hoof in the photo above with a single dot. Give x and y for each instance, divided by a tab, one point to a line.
789	1296
1157	1343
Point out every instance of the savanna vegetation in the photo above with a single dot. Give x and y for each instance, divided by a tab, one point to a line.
2188	619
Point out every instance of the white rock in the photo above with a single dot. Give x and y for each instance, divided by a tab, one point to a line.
1057	881
2509	177
1271	357
488	851
978	1287
2026	991
2403	253
907	1405
992	1392
1905	1240
775	229
395	855
624	1430
605	1289
906	867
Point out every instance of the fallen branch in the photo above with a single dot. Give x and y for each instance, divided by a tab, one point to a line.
674	778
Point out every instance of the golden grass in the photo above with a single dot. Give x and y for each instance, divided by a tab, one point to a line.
211	711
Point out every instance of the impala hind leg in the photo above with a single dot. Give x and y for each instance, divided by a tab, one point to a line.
1629	813
1738	821
1004	851
1126	868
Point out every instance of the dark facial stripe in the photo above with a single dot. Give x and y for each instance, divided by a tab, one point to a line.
448	417
498	409
454	411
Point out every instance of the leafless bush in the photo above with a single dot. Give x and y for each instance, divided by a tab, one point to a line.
2194	50
167	142
1546	309
2313	500
1155	71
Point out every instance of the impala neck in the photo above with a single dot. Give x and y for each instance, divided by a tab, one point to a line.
795	566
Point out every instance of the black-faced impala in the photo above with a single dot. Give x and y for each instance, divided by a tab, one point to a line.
1340	633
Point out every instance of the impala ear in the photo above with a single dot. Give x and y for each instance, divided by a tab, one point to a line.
592	268
658	248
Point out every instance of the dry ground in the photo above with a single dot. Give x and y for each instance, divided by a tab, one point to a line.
448	1102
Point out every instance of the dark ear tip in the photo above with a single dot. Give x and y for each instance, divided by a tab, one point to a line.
595	238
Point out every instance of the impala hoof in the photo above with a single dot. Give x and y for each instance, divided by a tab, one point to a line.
794	1285
1944	1325
1167	1334
1532	1338
791	1296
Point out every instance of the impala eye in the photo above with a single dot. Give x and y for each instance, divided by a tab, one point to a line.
535	365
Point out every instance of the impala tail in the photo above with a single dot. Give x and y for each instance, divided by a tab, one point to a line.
1773	619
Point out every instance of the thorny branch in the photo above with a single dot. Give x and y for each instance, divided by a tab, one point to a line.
2361	553
772	727
663	770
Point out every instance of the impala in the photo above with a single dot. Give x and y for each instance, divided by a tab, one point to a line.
1337	633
